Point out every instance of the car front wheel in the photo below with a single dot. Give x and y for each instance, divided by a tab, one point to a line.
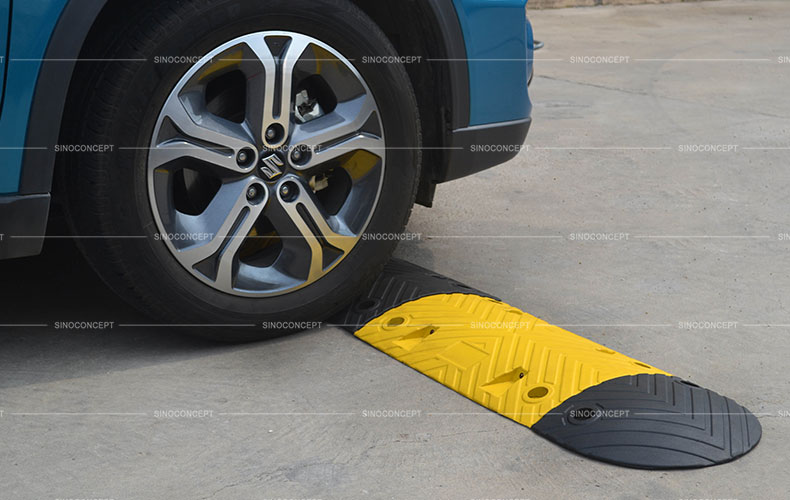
254	154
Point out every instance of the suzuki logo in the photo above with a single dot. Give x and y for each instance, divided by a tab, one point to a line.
272	166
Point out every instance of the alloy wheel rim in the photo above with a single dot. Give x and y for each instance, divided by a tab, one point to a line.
266	194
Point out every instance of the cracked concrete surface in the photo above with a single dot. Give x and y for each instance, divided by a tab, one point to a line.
288	417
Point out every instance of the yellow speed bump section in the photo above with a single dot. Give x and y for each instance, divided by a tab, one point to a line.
494	354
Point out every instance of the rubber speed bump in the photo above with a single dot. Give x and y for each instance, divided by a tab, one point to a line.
575	392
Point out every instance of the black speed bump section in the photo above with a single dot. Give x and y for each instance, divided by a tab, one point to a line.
652	422
570	390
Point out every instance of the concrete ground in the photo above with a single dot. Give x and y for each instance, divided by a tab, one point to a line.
85	414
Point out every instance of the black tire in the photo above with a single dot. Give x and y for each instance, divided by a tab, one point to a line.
117	103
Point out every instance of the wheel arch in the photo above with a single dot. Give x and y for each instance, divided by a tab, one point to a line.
426	28
430	29
51	92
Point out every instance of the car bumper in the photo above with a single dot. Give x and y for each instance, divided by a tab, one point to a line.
477	148
23	223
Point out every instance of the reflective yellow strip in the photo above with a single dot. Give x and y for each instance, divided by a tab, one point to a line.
496	355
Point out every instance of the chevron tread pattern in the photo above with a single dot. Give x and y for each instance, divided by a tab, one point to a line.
494	354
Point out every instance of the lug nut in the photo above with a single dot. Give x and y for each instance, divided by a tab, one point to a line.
300	155
244	157
289	191
274	132
252	192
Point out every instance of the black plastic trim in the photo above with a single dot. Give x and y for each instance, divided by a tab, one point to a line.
52	88
477	148
455	46
23	223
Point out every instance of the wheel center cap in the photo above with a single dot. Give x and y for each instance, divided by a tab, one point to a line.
272	165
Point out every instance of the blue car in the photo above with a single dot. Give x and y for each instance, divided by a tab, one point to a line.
247	161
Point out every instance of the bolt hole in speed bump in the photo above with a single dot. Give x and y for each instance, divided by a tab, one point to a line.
581	395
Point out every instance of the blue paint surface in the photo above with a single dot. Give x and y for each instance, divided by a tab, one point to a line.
32	23
5	19
499	48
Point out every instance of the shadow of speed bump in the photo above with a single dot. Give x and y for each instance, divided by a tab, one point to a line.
575	392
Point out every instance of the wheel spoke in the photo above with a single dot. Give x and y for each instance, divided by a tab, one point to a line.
166	152
228	219
276	97
362	141
302	221
205	129
226	269
338	133
338	237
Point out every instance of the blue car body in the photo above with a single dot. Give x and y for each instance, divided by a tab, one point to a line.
499	44
489	57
